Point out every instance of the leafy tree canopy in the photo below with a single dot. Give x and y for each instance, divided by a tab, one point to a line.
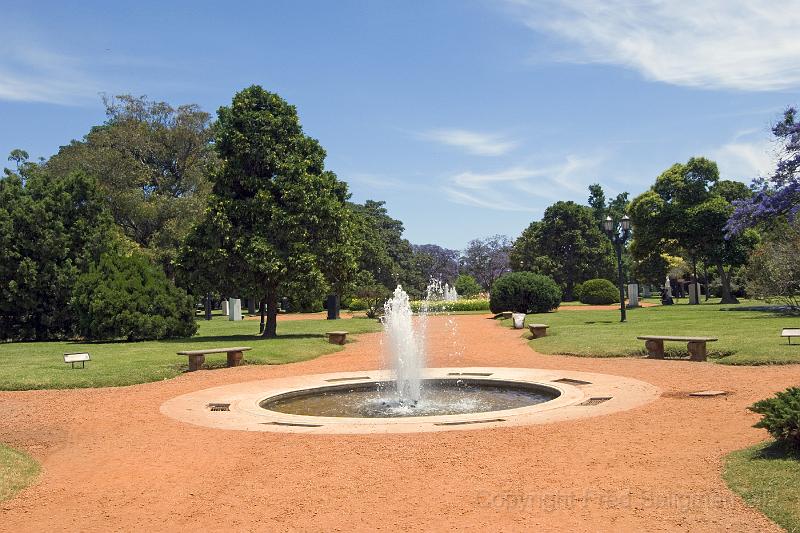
487	259
51	230
567	245
152	163
277	222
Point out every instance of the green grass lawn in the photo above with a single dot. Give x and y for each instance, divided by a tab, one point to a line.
40	365
767	478
17	471
745	337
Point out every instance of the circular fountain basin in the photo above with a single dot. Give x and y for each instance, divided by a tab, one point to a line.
548	395
378	399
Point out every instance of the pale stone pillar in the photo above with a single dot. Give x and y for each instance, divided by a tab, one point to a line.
225	308
694	293
646	291
235	306
633	295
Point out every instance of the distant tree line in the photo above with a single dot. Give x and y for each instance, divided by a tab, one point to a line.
121	233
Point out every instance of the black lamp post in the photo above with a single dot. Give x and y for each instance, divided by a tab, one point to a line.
619	233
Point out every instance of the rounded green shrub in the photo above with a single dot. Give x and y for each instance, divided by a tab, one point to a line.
781	417
128	298
466	286
524	292
598	292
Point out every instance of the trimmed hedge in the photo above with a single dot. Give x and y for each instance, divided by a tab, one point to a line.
438	306
524	292
597	292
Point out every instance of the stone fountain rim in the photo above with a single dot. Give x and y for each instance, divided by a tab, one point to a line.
245	413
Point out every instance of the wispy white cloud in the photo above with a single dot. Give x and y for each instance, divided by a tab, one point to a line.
31	73
746	156
524	188
473	142
720	44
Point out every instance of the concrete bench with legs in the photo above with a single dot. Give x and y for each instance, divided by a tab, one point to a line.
789	332
197	357
696	345
538	330
337	337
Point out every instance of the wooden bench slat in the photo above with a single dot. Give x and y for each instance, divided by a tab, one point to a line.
215	350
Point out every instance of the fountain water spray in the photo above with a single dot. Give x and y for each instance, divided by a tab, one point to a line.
407	347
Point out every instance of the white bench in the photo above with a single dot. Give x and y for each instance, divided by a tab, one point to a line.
788	332
197	357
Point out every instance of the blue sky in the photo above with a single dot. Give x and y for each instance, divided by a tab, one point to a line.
469	117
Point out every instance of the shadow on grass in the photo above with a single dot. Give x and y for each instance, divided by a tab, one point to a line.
210	338
777	451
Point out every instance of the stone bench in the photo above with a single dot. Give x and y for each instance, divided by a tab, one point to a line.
654	344
538	330
337	337
788	332
197	357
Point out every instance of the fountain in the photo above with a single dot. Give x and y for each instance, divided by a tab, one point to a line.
409	396
408	393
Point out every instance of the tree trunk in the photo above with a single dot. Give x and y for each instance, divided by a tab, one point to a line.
271	327
725	281
208	306
251	306
705	274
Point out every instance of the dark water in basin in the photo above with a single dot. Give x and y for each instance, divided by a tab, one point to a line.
440	397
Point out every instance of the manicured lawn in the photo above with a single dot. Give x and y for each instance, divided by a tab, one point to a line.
768	479
745	337
17	471
40	365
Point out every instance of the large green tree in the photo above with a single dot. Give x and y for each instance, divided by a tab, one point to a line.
384	252
277	222
52	229
567	245
152	163
684	213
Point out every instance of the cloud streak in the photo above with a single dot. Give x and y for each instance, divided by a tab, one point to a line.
522	188
30	73
471	141
748	45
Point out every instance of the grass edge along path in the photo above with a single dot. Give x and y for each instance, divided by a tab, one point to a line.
747	337
40	365
767	478
17	471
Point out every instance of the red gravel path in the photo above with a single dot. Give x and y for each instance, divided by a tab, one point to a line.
111	461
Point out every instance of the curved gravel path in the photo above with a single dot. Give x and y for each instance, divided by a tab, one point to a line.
112	461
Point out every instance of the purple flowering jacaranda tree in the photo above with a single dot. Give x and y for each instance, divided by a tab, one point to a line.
778	194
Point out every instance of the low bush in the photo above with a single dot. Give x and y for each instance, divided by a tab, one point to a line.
524	292
440	306
466	286
781	417
598	292
357	304
127	297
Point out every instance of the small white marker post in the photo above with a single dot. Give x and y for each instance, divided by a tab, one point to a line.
80	357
